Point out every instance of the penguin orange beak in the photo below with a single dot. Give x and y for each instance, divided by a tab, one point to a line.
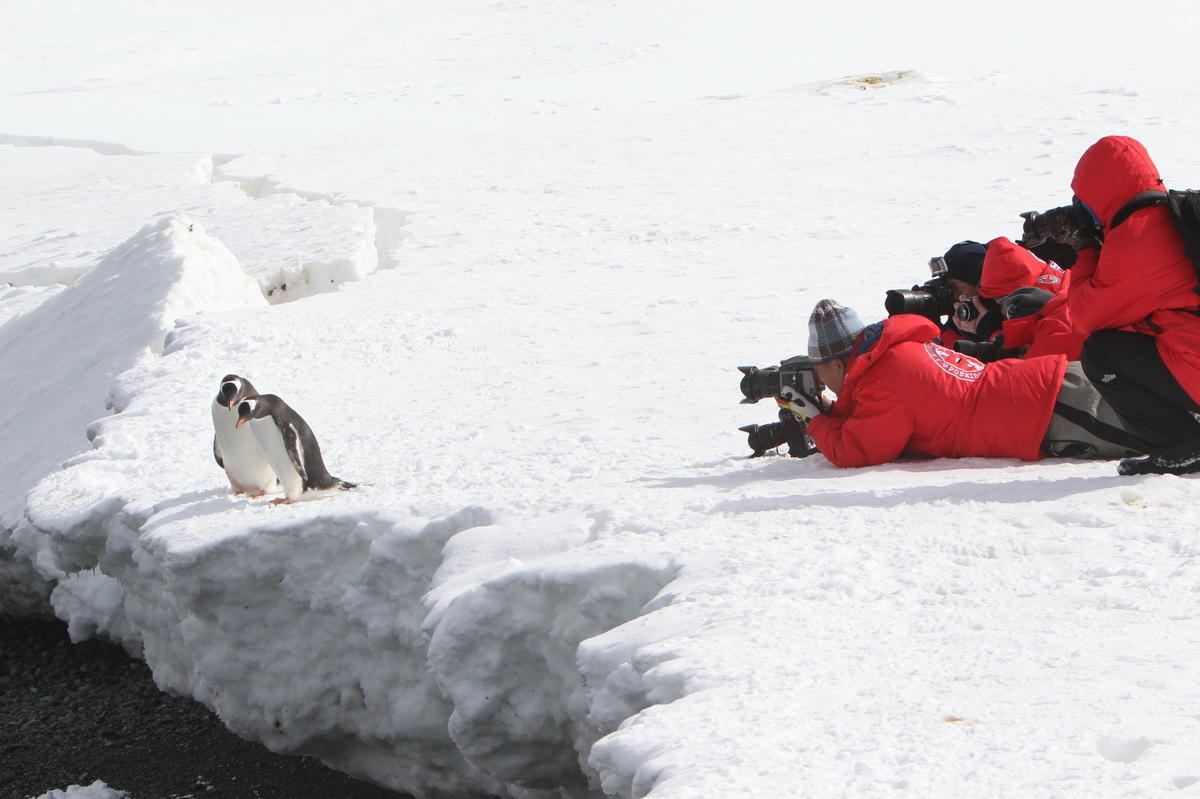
242	421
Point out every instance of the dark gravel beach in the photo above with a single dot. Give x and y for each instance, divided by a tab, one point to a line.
76	713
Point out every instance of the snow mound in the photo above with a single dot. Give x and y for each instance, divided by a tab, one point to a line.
61	358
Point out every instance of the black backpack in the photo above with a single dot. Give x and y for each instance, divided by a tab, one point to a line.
1184	207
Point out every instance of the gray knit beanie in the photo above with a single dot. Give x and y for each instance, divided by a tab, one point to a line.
831	330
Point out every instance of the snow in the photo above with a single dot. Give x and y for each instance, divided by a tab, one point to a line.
97	790
528	244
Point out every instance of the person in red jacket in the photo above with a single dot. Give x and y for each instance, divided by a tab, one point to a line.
1027	329
1133	295
899	393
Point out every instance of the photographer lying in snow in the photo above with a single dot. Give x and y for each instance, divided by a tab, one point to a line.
1133	294
900	393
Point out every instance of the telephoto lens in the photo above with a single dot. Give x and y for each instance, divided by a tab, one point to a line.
758	383
762	437
788	430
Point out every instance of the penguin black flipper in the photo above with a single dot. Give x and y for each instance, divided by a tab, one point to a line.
294	445
217	453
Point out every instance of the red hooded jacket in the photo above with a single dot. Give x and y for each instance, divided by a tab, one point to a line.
1008	266
906	395
1140	279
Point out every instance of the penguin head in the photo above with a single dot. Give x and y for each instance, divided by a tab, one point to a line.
234	389
247	410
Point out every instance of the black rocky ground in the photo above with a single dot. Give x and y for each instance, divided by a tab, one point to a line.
76	713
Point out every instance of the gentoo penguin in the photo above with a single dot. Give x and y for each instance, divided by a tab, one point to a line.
237	451
289	445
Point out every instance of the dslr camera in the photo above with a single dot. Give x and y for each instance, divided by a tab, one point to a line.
796	372
933	299
788	430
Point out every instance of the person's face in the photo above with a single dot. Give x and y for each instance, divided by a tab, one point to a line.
962	289
831	373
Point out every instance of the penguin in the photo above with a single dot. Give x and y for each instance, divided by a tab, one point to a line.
290	446
238	451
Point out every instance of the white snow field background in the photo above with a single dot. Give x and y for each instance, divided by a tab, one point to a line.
504	258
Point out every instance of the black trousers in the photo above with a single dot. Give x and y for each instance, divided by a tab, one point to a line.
1128	372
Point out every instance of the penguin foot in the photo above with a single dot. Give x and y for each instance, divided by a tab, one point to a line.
282	501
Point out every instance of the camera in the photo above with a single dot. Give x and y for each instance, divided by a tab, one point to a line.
966	311
933	300
1074	225
788	430
796	372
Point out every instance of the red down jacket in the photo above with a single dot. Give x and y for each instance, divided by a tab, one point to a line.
1140	278
906	395
1007	267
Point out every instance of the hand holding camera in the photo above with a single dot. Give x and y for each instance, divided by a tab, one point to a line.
804	406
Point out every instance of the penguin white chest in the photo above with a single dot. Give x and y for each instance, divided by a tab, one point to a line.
275	448
241	454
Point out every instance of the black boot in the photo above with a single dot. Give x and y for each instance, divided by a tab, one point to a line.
1181	459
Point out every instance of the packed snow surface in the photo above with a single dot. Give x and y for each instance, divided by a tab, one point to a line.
503	258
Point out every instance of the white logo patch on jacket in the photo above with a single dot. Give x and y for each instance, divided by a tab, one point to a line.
955	364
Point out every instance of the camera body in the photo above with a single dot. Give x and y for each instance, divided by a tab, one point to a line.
933	299
796	372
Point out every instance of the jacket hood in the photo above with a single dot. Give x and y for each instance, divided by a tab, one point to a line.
1009	266
1111	172
878	338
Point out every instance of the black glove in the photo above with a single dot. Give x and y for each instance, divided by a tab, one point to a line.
1063	225
1025	302
985	351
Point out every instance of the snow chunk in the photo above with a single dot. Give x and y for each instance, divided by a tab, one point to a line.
97	790
505	653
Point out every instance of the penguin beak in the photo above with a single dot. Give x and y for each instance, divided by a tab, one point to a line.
241	421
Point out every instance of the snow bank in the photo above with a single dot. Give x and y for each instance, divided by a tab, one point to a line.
436	655
62	358
433	656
